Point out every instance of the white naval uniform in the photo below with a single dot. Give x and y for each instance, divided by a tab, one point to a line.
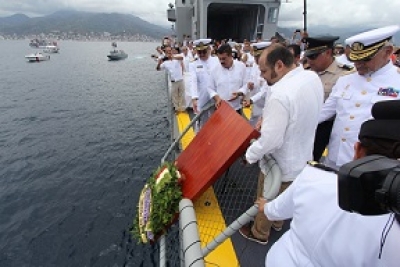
200	71
224	82
321	234
351	100
290	118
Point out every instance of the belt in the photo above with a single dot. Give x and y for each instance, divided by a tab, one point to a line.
172	81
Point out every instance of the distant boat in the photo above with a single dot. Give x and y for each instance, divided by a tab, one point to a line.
36	43
50	49
116	54
37	57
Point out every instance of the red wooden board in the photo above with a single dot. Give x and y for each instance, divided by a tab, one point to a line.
223	139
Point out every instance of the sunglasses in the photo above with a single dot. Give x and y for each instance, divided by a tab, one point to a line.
314	56
202	51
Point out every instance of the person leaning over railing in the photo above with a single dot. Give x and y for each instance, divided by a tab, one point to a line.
322	234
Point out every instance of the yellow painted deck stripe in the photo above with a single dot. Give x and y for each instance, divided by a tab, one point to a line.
208	213
247	112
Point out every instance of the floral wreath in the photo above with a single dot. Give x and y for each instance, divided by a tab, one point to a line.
158	203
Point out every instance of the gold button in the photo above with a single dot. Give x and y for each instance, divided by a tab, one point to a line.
351	117
358	105
363	92
369	79
343	139
347	129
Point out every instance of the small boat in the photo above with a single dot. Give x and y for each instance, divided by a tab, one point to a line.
51	49
116	54
37	57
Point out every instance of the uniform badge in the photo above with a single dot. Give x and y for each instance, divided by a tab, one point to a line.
389	91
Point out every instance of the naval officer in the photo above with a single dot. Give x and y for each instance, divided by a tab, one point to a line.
354	94
200	71
321	59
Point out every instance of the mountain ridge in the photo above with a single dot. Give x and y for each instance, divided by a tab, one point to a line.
81	23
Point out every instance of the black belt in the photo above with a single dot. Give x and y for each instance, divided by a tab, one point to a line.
175	81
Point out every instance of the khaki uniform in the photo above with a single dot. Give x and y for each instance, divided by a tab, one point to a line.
331	75
323	132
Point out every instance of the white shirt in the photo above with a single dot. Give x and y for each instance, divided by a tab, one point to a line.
200	71
260	91
351	100
174	68
290	118
187	60
321	234
224	82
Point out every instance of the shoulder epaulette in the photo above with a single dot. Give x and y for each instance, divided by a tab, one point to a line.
320	166
398	70
349	72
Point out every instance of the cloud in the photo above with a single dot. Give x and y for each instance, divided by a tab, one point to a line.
338	13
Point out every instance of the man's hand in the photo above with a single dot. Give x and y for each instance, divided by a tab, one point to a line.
261	203
258	124
250	85
194	103
246	103
235	96
217	100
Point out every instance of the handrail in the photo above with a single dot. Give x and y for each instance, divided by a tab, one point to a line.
208	105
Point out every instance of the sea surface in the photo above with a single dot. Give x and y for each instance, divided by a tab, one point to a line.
79	136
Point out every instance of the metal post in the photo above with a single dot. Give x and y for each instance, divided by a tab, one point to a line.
305	15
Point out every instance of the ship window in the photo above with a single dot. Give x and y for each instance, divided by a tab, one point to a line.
183	1
272	15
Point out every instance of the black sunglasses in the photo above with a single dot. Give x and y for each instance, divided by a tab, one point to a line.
314	56
202	51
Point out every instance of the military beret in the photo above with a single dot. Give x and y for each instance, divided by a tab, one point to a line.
365	45
386	122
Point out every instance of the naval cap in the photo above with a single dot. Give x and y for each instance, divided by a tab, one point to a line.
386	122
259	47
202	44
319	44
365	45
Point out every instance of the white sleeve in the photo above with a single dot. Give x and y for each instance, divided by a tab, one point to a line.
275	121
193	81
212	88
329	107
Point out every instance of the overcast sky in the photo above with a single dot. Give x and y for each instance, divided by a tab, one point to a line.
336	13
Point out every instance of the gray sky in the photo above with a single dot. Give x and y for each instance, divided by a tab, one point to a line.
336	13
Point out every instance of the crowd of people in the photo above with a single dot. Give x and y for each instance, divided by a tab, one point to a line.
311	99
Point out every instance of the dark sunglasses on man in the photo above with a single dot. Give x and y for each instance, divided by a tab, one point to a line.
315	55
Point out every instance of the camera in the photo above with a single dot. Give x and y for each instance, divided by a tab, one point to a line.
370	186
164	58
297	30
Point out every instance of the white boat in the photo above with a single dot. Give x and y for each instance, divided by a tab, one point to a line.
117	54
51	49
37	57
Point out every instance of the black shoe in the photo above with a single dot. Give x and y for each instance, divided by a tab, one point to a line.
245	231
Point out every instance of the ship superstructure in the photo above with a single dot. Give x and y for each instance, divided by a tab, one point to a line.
218	19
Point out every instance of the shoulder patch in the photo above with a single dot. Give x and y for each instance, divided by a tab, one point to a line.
346	67
349	72
320	166
398	70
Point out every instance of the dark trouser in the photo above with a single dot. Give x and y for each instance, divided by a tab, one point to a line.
322	135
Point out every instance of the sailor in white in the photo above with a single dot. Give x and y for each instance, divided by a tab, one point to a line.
354	94
174	66
227	79
257	87
321	233
200	71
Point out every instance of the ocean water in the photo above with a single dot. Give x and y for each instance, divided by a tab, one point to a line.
79	135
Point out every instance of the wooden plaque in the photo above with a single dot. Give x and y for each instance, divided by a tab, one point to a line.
223	139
